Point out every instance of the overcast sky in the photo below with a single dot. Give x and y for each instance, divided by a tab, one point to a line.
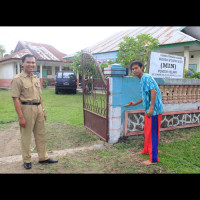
67	39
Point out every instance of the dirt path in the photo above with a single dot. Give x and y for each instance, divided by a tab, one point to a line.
10	151
52	154
13	164
10	140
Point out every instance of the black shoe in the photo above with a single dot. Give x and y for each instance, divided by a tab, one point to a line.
50	160
27	165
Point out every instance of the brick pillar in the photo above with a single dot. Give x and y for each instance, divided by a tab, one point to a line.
115	74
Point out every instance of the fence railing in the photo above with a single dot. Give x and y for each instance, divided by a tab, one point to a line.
180	93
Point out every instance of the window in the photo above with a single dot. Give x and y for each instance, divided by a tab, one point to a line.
21	68
59	75
49	70
16	69
65	68
38	68
56	69
193	66
68	75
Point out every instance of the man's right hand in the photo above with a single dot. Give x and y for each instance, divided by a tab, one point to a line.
22	122
131	103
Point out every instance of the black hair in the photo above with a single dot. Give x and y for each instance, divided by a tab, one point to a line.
136	62
27	55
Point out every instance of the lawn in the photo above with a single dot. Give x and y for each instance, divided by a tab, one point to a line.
179	150
65	108
7	110
179	153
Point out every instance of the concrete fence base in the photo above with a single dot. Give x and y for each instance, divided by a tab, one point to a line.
126	121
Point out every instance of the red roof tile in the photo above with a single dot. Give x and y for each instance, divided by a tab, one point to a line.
17	55
42	52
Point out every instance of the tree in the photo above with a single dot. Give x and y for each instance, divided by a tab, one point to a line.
105	65
136	49
76	65
2	51
7	54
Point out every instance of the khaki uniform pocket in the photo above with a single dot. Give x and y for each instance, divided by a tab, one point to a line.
27	84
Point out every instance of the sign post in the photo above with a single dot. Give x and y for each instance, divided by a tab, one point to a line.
166	65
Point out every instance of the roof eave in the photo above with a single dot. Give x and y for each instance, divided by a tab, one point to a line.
179	44
10	59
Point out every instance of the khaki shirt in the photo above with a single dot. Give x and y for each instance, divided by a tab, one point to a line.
26	88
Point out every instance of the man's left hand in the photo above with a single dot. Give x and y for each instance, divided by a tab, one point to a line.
45	117
149	113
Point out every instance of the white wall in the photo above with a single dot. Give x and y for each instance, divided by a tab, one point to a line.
194	60
7	71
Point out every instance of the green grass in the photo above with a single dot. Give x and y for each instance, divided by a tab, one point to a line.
96	103
64	136
179	150
179	153
65	108
182	156
7	109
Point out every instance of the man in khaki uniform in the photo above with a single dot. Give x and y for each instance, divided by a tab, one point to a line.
26	93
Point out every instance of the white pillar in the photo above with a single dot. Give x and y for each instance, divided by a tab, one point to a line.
186	55
40	70
60	68
115	128
198	66
41	75
18	68
53	71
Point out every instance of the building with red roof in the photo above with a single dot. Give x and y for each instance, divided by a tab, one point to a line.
49	61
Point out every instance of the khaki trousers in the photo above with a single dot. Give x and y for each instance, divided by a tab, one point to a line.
34	117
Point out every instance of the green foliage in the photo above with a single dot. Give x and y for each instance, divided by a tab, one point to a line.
195	75
45	83
136	49
110	62
2	51
105	65
76	65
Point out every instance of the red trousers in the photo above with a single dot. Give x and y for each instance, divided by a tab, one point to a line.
151	136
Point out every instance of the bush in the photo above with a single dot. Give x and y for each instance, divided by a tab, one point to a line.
45	83
191	73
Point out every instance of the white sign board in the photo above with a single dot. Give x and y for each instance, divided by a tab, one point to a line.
166	65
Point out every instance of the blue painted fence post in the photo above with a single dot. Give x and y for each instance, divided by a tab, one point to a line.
115	74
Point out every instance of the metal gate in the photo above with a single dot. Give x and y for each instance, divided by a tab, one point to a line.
95	96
